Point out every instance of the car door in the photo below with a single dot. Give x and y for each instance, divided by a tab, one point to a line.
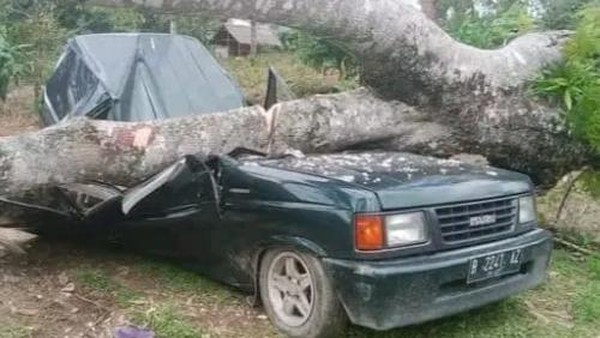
173	213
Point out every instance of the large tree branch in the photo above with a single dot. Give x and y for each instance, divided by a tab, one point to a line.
478	95
405	55
469	100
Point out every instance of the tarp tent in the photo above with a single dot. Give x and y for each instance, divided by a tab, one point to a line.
137	77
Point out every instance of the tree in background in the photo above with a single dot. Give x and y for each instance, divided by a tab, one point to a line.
575	84
13	62
493	29
481	23
320	53
200	27
561	14
33	26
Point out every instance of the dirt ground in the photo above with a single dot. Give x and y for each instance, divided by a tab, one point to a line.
17	113
68	289
61	289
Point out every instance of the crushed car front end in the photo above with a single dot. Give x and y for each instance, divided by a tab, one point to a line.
388	293
445	238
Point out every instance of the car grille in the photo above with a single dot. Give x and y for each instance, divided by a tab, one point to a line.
456	225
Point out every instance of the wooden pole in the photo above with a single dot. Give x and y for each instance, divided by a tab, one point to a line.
253	39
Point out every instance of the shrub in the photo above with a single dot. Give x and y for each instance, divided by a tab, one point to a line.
575	84
492	30
561	14
321	53
13	62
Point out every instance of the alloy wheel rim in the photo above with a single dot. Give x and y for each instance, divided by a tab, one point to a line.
291	289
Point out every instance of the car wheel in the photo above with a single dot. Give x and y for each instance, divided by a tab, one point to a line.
298	296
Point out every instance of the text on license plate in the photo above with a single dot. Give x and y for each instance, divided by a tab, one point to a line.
494	265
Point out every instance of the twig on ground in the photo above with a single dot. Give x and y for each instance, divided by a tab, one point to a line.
570	187
575	247
87	300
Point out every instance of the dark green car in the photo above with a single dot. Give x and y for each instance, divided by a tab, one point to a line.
382	239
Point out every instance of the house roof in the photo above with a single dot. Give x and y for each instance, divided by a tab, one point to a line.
241	31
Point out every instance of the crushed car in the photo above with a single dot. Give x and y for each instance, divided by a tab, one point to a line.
380	239
137	77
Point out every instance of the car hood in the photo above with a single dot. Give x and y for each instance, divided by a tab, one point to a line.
402	180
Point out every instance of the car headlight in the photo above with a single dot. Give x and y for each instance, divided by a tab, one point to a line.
527	213
378	232
406	229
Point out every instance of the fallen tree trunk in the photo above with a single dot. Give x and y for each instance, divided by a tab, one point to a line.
404	55
477	99
429	95
126	153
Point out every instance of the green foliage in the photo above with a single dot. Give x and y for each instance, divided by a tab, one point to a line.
491	30
107	20
575	84
320	53
13	62
587	304
594	266
200	27
561	14
591	183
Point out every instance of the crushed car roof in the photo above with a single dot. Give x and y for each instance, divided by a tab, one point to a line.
137	77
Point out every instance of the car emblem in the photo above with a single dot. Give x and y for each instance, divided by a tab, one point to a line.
482	220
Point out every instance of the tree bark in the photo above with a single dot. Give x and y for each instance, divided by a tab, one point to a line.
478	96
124	153
253	38
429	7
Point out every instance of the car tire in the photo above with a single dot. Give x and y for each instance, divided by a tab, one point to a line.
295	307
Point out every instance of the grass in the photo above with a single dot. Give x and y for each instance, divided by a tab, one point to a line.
587	303
100	282
161	316
567	305
96	279
13	331
166	322
177	279
251	74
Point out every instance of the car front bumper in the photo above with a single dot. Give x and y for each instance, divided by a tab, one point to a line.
393	293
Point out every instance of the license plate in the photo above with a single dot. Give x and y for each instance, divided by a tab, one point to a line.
494	265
